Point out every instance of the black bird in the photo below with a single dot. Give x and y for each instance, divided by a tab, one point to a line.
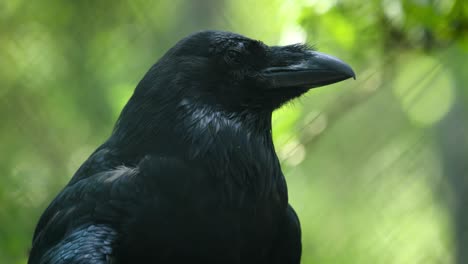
190	174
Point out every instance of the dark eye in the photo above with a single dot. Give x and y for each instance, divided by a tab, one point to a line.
233	56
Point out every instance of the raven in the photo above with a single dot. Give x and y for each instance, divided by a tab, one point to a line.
189	173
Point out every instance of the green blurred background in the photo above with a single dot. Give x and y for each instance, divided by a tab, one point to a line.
377	168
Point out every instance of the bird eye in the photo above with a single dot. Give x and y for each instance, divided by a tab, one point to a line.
233	56
232	53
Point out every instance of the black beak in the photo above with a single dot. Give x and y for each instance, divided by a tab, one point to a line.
316	69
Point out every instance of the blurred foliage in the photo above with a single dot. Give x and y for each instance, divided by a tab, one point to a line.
376	167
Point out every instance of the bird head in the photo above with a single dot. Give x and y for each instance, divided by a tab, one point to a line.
235	73
216	81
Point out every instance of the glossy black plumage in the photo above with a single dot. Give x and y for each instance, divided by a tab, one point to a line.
190	173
